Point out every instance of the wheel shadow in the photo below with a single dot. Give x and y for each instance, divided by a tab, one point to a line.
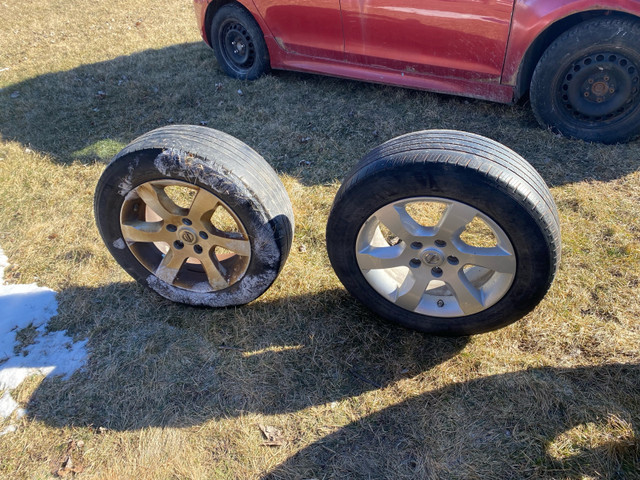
161	364
153	363
309	126
526	424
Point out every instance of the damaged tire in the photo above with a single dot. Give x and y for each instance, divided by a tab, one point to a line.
445	232
195	215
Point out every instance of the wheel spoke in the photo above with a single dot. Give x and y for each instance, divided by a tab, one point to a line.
495	259
203	205
139	231
158	201
231	242
373	258
168	269
214	275
399	222
455	219
469	297
410	293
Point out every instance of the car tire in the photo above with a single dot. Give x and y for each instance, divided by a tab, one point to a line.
416	218
195	215
238	43
587	83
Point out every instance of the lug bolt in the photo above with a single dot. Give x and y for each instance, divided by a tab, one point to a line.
416	245
197	249
440	303
606	79
586	94
436	271
441	243
415	263
453	260
178	244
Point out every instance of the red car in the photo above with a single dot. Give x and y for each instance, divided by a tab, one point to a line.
578	59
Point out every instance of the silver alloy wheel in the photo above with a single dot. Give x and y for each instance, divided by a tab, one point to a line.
201	247
440	269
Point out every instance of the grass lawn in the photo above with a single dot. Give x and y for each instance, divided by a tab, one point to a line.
177	392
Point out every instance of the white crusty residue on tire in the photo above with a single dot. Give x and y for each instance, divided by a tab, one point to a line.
245	293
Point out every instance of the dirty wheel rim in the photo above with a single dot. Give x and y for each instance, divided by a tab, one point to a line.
185	235
602	87
456	262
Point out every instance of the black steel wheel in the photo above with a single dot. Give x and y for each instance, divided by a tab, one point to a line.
587	83
239	43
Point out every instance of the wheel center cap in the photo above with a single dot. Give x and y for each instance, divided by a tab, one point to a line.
432	257
188	235
600	88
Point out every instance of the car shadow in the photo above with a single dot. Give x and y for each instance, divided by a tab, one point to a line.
310	126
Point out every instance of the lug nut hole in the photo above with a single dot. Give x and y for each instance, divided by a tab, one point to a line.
172	228
186	221
178	244
453	260
441	243
197	249
415	263
416	245
203	235
436	271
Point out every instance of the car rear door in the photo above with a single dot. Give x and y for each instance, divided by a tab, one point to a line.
449	38
308	27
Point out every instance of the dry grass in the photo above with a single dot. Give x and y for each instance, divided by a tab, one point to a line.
177	392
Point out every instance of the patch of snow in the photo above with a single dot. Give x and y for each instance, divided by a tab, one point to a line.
7	405
9	429
51	353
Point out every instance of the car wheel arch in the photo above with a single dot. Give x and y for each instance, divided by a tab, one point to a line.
216	5
546	37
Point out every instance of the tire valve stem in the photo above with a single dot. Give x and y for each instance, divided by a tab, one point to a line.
440	303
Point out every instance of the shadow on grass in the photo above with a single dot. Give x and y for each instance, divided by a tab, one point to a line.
312	127
529	424
157	364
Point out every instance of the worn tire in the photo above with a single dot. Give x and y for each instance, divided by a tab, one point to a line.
195	215
239	43
416	280
587	83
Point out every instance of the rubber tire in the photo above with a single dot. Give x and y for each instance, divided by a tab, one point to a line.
470	169
260	64
220	164
583	40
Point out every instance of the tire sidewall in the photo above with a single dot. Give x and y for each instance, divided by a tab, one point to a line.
534	265
132	169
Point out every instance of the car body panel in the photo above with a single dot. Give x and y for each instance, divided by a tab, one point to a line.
466	39
473	48
305	27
